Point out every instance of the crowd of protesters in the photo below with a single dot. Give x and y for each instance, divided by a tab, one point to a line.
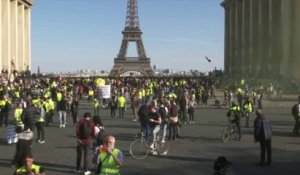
161	105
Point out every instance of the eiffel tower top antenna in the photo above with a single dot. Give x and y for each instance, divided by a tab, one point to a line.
132	17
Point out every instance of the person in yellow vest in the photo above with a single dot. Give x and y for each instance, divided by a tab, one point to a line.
147	94
248	108
59	97
143	92
47	110
91	95
121	106
40	122
5	105
96	106
18	118
234	115
30	168
111	157
51	106
17	94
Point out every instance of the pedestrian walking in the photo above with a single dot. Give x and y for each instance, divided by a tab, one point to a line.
121	106
263	134
40	123
62	111
74	110
296	115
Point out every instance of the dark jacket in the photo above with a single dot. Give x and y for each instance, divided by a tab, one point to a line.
143	113
62	105
29	117
295	110
262	128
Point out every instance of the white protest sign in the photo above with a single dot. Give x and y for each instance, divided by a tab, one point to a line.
104	91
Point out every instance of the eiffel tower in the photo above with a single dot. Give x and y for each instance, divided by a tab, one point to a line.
132	33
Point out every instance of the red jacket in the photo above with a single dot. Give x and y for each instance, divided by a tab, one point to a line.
89	139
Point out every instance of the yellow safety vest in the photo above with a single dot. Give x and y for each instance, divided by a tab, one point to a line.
35	101
51	104
17	94
23	169
121	101
147	92
18	116
109	165
91	92
59	96
96	103
47	106
248	107
2	103
47	94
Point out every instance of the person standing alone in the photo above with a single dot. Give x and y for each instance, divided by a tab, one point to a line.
121	106
40	117
263	134
296	114
85	131
111	158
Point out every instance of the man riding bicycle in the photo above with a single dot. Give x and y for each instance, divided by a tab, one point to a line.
154	121
234	114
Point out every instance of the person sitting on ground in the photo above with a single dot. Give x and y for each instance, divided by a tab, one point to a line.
30	168
221	166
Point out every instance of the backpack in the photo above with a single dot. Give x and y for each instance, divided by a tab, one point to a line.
85	130
101	137
231	115
295	110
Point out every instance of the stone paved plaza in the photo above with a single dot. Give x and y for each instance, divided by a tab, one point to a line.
194	153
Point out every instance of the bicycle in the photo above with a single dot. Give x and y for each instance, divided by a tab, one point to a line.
140	148
230	132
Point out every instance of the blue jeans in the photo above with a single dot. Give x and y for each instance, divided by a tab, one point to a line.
62	117
145	129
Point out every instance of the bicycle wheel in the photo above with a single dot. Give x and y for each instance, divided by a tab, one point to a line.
162	148
226	134
139	149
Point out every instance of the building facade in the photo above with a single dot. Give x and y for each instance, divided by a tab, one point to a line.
262	38
15	35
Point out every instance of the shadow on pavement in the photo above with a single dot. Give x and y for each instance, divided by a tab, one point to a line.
184	158
201	138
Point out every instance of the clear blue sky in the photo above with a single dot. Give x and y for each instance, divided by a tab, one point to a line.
69	35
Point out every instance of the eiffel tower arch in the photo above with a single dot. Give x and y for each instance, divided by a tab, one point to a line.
132	33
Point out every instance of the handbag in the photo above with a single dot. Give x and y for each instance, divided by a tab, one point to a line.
99	165
174	119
